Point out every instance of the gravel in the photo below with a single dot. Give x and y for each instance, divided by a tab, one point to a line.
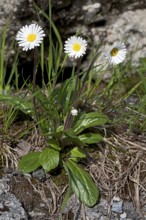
12	209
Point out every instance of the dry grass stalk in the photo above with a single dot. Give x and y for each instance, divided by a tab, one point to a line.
120	170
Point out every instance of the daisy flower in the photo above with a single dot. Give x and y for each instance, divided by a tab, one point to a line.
117	53
30	36
74	112
75	47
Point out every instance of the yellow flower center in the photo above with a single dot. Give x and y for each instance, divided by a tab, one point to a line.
114	52
76	47
31	37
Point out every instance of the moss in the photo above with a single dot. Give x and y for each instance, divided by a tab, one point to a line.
60	179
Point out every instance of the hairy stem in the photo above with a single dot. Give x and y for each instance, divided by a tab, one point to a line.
35	67
69	118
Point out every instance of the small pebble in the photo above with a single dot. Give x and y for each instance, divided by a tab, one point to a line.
39	174
123	216
116	198
117	206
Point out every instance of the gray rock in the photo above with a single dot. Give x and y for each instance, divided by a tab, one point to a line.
130	210
103	206
104	218
4	187
90	12
39	174
7	170
23	147
99	211
8	8
61	4
117	206
11	208
130	27
12	13
123	216
93	213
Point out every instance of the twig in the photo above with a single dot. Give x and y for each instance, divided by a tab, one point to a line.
83	212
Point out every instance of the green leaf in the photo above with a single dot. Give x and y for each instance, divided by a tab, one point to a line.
29	162
18	103
60	129
89	120
54	144
77	153
49	159
90	138
65	92
71	135
82	183
67	195
58	133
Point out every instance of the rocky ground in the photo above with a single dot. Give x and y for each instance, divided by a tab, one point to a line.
21	199
39	195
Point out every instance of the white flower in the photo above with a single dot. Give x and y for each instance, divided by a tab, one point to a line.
117	53
74	112
75	47
30	36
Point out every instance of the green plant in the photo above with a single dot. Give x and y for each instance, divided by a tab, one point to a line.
5	81
60	141
65	144
66	135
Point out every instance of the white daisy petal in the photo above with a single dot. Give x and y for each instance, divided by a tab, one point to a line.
30	36
75	47
74	112
117	53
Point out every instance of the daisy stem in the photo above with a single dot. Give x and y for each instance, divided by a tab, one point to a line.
35	67
77	82
69	118
86	77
